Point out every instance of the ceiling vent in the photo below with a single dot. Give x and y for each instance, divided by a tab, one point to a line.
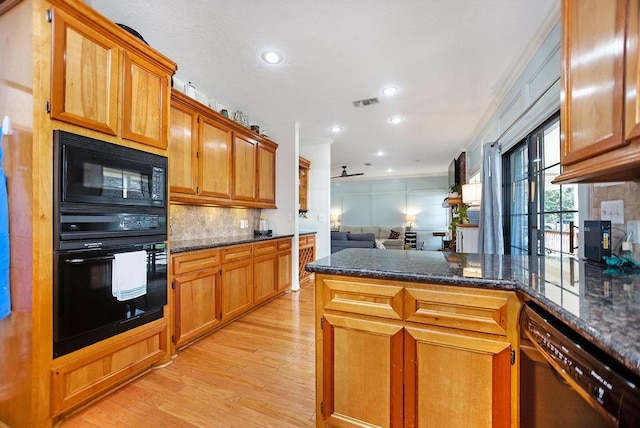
367	102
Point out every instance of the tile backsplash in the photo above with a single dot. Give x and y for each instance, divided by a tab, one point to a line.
196	222
628	192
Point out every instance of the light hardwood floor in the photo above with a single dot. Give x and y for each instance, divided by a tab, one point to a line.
256	372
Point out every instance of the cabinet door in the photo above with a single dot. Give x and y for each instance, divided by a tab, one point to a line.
85	69
632	72
593	78
183	150
303	183
362	379
215	159
456	380
266	184
265	271
244	169
285	264
197	305
237	288
145	99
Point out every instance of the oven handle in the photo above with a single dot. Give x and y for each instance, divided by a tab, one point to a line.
89	260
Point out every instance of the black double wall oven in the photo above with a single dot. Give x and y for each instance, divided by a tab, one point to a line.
110	231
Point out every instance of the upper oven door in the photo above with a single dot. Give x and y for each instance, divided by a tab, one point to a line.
97	172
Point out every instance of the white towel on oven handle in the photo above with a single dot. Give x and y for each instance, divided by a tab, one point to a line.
129	275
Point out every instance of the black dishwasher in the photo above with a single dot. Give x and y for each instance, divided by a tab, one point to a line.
565	381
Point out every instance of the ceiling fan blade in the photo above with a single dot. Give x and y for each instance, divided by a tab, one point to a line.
344	173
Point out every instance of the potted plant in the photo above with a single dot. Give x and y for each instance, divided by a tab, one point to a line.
460	218
454	191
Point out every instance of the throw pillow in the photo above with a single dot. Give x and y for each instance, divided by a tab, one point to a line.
394	235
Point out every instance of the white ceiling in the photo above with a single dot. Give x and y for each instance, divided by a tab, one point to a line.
451	59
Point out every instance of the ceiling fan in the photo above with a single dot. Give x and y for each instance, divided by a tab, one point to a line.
344	173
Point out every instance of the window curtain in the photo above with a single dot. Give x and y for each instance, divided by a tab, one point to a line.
490	225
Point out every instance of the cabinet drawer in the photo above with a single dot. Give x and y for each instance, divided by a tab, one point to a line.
363	298
262	248
195	260
302	241
458	309
236	253
284	244
76	380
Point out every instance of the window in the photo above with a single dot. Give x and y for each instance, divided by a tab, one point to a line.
539	216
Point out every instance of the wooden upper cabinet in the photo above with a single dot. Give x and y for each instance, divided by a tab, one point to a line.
593	41
144	103
183	150
600	109
200	154
85	73
266	173
215	161
106	80
244	168
215	158
303	183
632	100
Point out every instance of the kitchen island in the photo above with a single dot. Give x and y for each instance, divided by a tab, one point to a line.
455	317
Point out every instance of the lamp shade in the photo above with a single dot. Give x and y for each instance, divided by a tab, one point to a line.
410	217
335	217
472	193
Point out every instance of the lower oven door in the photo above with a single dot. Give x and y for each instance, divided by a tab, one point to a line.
94	298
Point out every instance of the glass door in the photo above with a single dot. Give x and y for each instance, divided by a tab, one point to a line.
539	216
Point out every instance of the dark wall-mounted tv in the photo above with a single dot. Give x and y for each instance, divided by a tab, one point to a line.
458	170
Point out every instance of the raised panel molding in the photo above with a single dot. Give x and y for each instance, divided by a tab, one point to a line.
486	314
383	301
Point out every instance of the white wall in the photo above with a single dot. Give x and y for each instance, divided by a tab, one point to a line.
318	217
540	73
385	202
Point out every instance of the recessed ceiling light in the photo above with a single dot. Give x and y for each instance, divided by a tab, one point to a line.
271	57
396	119
336	128
390	90
380	153
389	170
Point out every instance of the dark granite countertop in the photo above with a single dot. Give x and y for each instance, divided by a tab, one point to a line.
201	244
600	304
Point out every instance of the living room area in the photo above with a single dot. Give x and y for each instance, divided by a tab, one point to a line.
392	214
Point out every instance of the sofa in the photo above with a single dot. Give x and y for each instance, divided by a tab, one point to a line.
343	240
390	238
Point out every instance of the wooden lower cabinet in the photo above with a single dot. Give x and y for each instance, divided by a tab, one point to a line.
265	271
78	377
237	280
214	286
285	263
456	380
306	254
363	373
197	304
394	354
